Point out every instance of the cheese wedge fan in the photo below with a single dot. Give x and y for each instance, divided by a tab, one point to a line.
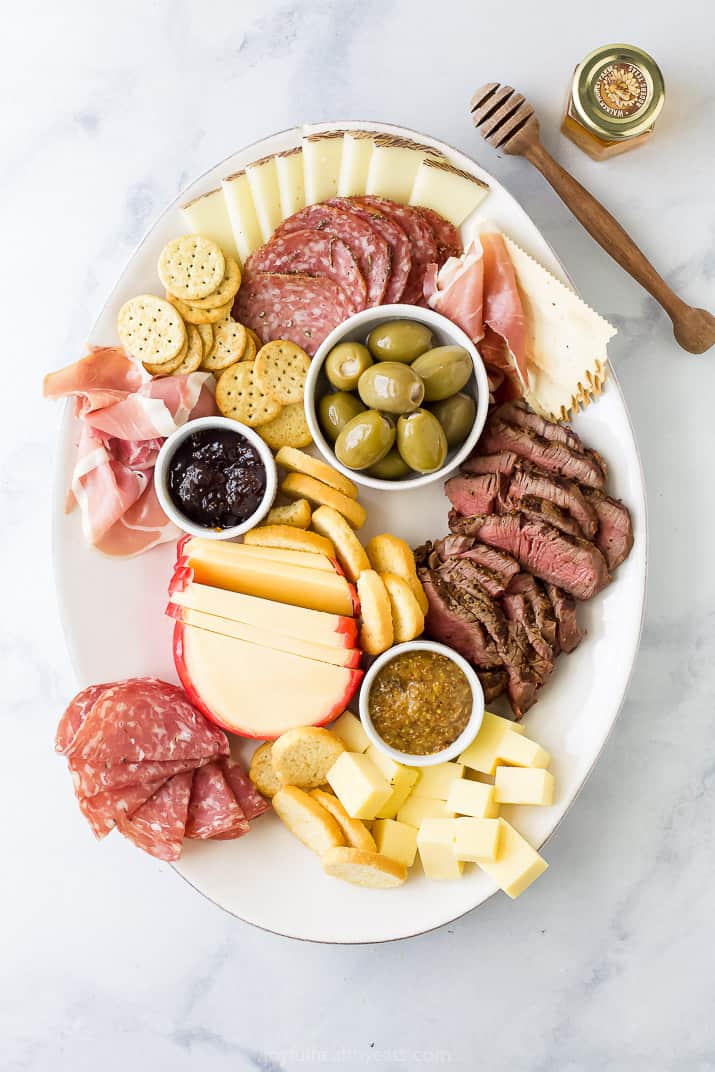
208	215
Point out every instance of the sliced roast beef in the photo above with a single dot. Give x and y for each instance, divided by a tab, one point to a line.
518	609
450	622
543	510
565	610
572	563
615	528
564	493
475	494
553	456
518	413
544	617
493	683
503	462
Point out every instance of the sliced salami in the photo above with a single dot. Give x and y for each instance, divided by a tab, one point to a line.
397	240
213	809
301	308
158	825
75	715
422	242
446	235
102	810
91	778
312	252
369	248
251	802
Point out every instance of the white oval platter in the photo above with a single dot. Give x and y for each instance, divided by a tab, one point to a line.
268	878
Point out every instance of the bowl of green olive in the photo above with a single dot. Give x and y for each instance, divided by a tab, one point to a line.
396	397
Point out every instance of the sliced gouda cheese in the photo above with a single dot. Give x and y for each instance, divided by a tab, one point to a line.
247	233
289	169
322	154
263	180
308	559
355	163
208	215
393	166
447	190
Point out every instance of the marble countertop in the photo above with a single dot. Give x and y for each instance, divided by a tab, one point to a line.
109	960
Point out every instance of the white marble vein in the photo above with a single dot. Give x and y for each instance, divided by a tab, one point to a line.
108	960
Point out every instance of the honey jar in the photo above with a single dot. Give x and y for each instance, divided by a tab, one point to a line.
615	97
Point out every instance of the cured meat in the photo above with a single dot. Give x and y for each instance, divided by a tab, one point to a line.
213	808
251	802
301	308
422	243
458	292
103	809
75	715
158	825
503	311
312	252
369	248
91	777
446	235
397	240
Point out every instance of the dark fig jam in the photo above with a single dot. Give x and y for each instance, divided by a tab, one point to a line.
216	478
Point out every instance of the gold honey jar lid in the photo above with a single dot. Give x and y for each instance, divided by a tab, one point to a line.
618	92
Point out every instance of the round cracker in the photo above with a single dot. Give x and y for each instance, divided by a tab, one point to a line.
250	349
194	353
226	290
165	368
206	332
229	344
192	315
191	266
281	368
238	396
255	336
288	429
151	329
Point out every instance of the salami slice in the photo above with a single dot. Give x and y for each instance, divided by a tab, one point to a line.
397	240
158	826
312	253
76	714
145	719
301	308
250	800
102	810
422	242
446	235
370	250
213	808
91	778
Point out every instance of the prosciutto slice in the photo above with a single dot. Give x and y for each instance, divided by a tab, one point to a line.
503	311
457	291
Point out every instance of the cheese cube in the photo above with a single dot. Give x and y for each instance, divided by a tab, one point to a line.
349	729
358	785
476	839
484	751
517	751
289	169
524	785
517	864
400	778
208	215
263	180
396	840
447	190
357	150
435	843
416	809
473	798
438	780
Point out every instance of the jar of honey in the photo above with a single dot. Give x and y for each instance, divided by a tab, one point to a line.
615	97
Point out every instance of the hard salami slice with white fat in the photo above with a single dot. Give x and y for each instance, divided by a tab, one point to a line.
370	250
158	826
251	802
301	308
91	778
312	252
103	809
422	242
75	715
214	811
446	235
397	240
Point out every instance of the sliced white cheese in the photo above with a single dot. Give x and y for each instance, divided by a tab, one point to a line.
322	154
358	146
453	193
263	180
247	233
394	165
208	215
567	340
289	168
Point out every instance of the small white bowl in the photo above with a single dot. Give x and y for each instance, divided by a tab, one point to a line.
356	329
468	733
161	477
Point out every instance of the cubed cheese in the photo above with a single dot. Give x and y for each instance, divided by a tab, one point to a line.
401	780
358	785
396	840
517	751
416	809
517	864
523	785
438	780
484	751
349	729
473	798
476	839
435	843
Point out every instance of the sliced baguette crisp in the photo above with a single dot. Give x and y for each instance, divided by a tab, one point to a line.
351	553
356	833
305	818
296	514
408	621
289	537
361	868
262	772
376	633
390	554
300	486
297	461
304	755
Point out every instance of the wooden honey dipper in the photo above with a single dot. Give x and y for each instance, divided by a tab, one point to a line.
508	122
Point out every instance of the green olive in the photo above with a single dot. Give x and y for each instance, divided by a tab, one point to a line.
345	364
392	387
456	415
399	340
335	410
444	370
365	440
421	441
392	467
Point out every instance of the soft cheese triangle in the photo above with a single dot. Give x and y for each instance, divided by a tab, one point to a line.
567	344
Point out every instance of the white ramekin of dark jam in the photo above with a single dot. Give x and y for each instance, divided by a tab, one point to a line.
215	478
